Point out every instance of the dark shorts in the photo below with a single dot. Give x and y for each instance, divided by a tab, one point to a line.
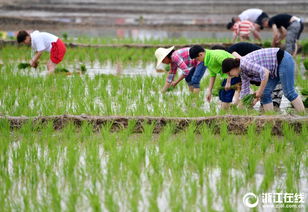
227	96
260	18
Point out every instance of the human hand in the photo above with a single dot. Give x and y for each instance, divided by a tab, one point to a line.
33	64
209	96
227	86
258	94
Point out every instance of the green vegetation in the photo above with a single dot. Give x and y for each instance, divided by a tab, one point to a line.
306	102
248	100
304	92
76	169
10	54
98	95
24	65
61	70
306	64
83	68
164	41
83	169
218	88
65	36
305	47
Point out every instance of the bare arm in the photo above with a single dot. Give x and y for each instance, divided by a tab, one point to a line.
235	54
260	91
36	57
228	84
166	86
276	35
234	37
211	85
283	33
178	80
210	88
256	34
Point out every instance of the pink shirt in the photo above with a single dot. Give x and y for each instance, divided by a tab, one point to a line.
243	28
180	59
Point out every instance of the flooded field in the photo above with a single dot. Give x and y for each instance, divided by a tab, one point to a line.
80	167
75	169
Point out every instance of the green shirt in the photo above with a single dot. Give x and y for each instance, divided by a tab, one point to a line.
213	61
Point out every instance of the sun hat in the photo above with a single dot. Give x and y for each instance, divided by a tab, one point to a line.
161	53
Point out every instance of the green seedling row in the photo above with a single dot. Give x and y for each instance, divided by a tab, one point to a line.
77	169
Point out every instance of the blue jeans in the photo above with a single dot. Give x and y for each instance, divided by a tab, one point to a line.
195	75
285	76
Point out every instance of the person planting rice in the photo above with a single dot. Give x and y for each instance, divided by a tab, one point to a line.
287	27
40	42
269	67
193	71
253	15
244	48
242	30
213	60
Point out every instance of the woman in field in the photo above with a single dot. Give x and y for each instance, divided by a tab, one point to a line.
268	66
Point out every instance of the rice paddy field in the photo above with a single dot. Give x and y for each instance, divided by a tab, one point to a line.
82	169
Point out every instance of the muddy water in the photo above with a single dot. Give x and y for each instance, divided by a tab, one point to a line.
148	70
213	174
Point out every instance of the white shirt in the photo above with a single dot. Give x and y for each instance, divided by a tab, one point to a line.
250	15
41	41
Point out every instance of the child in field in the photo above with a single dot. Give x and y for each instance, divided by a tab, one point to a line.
242	30
40	42
192	70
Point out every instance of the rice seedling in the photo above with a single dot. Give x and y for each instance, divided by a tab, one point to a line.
305	47
23	65
306	102
304	92
83	68
80	168
306	63
248	100
61	70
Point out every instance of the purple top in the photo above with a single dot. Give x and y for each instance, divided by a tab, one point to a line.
253	66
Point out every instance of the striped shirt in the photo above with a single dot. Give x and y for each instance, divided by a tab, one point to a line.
243	28
253	67
180	59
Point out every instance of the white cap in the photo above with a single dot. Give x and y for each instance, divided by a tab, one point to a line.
161	53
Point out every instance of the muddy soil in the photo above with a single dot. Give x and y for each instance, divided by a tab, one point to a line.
236	124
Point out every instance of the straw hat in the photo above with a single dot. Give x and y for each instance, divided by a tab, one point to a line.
161	53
